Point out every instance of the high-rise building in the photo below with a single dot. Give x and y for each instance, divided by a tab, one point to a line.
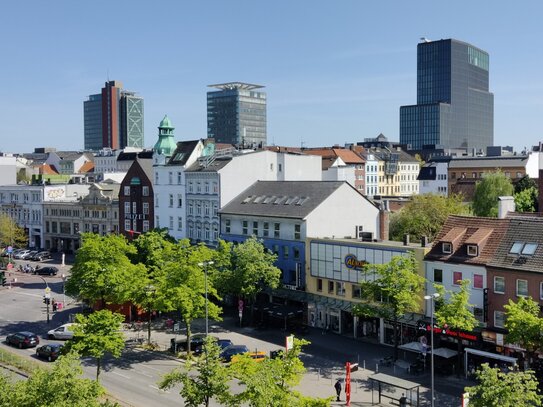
113	118
454	106
236	114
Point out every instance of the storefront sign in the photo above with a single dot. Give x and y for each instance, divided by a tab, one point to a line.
352	262
446	331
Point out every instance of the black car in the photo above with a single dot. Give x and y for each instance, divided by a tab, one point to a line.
23	339
50	352
196	342
46	271
232	350
40	256
198	349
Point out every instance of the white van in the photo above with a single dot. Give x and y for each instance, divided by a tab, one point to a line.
62	332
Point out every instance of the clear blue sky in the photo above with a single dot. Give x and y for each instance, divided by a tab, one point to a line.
334	71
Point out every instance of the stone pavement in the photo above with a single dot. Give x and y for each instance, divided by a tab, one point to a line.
324	360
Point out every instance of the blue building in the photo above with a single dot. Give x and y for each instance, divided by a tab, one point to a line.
454	106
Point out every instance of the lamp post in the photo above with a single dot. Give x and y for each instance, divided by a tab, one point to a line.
63	290
204	265
432	299
149	290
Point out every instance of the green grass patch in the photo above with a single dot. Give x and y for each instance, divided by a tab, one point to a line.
8	358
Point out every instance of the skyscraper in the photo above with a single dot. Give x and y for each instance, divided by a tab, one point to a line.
236	114
454	106
113	118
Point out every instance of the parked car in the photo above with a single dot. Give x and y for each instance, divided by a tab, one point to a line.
40	256
29	255
258	356
23	339
62	332
20	253
196	342
46	271
198	349
50	352
232	350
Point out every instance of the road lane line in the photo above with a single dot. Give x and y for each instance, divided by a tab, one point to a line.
152	368
156	388
142	373
120	374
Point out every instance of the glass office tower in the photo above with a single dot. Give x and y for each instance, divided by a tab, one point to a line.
236	114
454	106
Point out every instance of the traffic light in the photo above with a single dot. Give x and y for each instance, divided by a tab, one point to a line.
3	278
46	300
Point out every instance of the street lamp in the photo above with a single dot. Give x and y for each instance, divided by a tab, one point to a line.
149	290
63	290
204	265
432	299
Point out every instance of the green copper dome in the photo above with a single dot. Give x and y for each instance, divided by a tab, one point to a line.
166	144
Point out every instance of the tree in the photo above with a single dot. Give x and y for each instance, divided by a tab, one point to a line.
211	380
252	269
487	191
390	290
11	233
61	386
97	334
524	324
270	382
499	389
425	215
453	310
526	200
102	271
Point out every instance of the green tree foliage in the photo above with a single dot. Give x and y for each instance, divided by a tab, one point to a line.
61	386
526	200
499	389
524	325
97	334
102	270
455	312
525	183
209	382
390	290
487	191
11	233
271	381
425	215
251	270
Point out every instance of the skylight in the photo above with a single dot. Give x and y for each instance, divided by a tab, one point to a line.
516	248
527	249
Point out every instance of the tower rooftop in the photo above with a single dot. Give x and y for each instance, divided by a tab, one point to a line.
235	85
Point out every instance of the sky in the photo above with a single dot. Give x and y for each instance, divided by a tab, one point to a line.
335	71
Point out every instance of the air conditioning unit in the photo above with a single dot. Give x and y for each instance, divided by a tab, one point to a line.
359	230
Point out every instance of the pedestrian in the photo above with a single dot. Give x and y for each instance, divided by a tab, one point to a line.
54	305
403	401
337	386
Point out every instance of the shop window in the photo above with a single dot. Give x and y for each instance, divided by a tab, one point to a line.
457	277
499	319
319	284
499	285
522	288
438	276
330	287
478	281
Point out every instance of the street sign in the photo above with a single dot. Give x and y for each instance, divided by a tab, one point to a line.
240	305
289	342
240	313
47	290
10	249
176	327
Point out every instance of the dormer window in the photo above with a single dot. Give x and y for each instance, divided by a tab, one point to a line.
473	250
446	248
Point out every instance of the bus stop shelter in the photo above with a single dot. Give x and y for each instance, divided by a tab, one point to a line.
392	387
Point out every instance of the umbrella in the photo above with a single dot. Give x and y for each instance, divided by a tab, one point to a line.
445	352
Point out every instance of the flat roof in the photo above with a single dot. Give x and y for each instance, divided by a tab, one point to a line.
394	381
235	85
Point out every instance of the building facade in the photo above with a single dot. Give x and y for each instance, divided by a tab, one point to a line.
454	106
113	118
236	114
433	177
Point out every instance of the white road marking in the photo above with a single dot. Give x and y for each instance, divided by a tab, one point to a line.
153	368
120	374
27	294
156	388
142	373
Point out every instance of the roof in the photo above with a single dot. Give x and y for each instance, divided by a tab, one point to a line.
47	169
182	152
166	123
147	167
348	156
215	166
87	167
129	156
522	229
235	85
384	154
461	230
285	199
428	172
489	162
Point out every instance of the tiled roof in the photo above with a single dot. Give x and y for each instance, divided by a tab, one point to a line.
522	229
47	169
463	229
348	156
285	199
87	167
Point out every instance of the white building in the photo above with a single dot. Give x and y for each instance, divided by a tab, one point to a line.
372	184
8	170
433	177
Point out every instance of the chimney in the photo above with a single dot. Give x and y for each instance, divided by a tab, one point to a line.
406	239
423	241
383	223
505	204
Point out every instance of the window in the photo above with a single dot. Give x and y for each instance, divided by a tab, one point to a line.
127	191
446	248
280	167
179	178
157	221
47	226
438	276
190	186
146	208
275	249
206	187
285	252
478	314
179	223
127	225
319	284
255	228
127	207
297	234
356	291
179	200
227	225
145	191
541	290
472	250
276	229
330	287
170	177
499	319
156	178
266	229
215	232
522	288
340	288
516	248
457	277
134	207
478	281
145	226
215	209
190	208
245	227
171	200
171	223
529	249
296	252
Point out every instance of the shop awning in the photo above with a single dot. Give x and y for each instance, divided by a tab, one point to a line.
490	355
445	353
412	347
